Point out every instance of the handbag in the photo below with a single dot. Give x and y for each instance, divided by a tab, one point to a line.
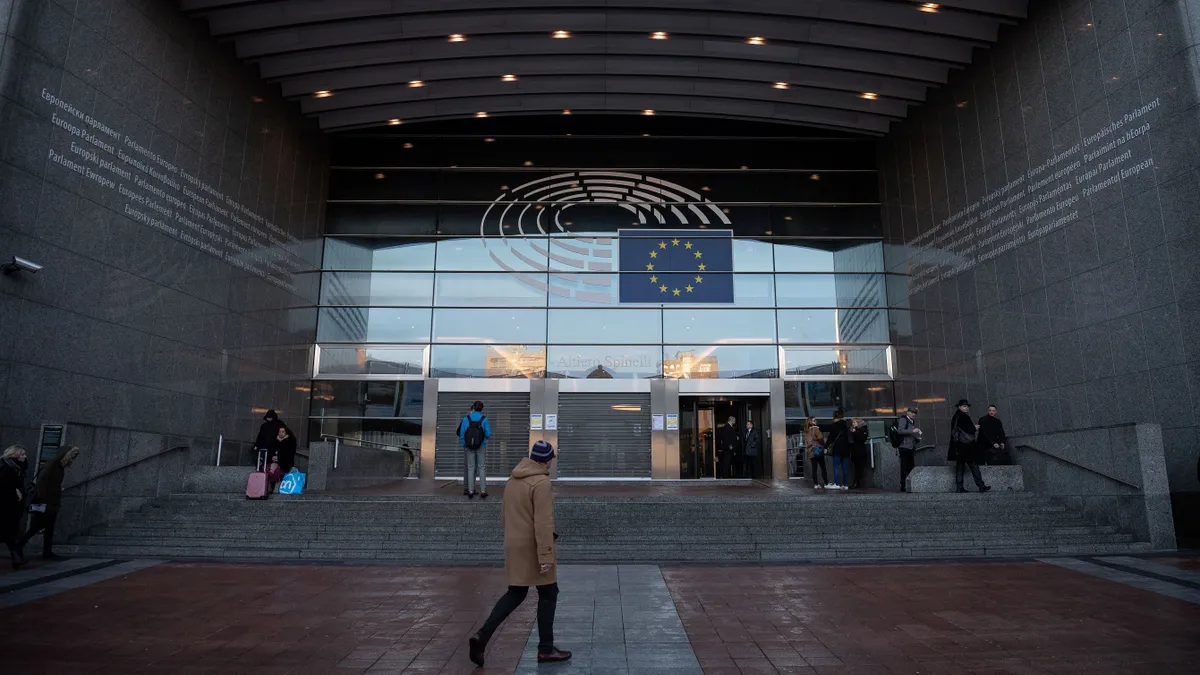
293	483
818	451
959	436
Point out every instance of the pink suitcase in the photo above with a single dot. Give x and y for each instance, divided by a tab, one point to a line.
257	485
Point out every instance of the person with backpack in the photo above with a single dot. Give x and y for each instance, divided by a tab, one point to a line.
904	436
475	431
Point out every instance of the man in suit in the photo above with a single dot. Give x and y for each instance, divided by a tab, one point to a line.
751	450
729	447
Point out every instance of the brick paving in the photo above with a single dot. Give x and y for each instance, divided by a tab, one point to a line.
1026	618
981	618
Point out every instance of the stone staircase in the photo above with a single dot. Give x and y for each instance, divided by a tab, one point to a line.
441	530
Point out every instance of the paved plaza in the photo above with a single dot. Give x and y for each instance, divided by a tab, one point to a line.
1099	616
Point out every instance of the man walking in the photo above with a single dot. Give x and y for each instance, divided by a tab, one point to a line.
48	501
529	554
729	446
910	435
751	449
475	431
992	439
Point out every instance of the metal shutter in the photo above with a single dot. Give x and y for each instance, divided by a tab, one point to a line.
508	415
604	435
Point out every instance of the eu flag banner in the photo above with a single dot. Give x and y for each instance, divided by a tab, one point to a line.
676	266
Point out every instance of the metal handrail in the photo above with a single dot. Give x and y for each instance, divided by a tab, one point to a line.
337	445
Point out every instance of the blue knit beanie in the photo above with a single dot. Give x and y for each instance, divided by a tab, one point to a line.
542	452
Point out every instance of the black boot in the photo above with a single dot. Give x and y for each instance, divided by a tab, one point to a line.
961	489
477	645
17	559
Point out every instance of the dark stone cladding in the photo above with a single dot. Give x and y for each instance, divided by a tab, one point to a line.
130	327
1085	312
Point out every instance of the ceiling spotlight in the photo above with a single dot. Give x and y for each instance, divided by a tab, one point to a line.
788	218
780	85
380	176
706	189
869	95
457	37
528	163
566	111
408	146
481	114
415	84
324	93
258	99
645	135
931	7
509	78
745	168
768	232
561	34
504	187
659	35
756	41
489	140
647	111
815	176
395	121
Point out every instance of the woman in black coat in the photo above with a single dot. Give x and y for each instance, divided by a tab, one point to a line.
964	447
858	451
837	444
12	500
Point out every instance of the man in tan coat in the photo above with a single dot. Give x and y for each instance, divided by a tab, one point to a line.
529	553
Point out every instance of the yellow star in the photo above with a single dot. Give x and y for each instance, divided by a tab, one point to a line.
653	279
653	254
662	244
688	245
674	242
649	267
699	254
699	280
702	267
663	289
689	288
675	291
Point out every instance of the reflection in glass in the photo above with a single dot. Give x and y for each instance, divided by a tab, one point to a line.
605	362
754	290
821	399
371	361
805	290
833	326
750	255
384	288
491	255
344	398
490	326
380	254
606	326
718	326
491	290
802	258
373	324
512	361
568	289
826	361
725	362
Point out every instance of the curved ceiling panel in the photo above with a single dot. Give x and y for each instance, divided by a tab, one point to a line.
848	64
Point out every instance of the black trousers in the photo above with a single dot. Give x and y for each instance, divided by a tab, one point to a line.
860	467
727	465
510	601
819	463
41	522
908	460
960	473
749	466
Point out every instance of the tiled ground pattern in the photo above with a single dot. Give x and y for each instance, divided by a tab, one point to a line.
1028	619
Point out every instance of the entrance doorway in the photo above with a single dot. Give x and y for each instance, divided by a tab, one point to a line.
700	420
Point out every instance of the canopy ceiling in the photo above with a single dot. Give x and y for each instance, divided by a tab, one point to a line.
854	65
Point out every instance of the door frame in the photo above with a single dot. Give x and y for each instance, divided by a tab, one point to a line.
743	401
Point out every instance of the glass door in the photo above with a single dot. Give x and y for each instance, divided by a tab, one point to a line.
697	440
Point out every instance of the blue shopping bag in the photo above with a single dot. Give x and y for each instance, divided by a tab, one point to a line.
293	483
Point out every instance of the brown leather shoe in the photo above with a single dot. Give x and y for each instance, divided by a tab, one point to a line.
554	656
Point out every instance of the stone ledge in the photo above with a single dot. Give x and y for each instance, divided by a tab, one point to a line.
941	479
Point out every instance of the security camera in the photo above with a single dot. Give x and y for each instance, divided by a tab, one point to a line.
19	264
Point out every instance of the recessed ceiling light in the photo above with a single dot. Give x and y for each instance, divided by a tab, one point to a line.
395	121
757	41
768	232
815	176
408	146
659	35
744	167
489	140
561	34
457	37
869	95
706	189
931	7
787	218
509	78
481	114
503	187
645	134
324	93
780	85
566	111
380	176
647	111
258	99
415	84
528	163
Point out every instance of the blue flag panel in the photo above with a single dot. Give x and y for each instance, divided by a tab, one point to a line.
676	266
